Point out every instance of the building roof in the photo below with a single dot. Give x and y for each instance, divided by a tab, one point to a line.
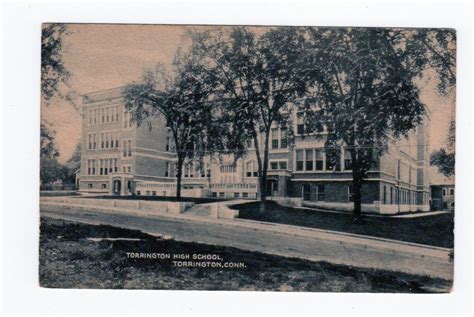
102	95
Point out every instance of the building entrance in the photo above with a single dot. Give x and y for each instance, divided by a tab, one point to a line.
117	186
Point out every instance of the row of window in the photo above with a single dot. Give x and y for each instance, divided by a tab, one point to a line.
279	138
107	140
227	168
105	166
190	170
280	165
445	191
398	196
104	115
235	195
322	159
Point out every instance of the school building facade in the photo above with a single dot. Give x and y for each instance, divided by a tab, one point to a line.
119	158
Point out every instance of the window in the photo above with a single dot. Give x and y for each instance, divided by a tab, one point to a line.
444	191
384	200
167	171
167	148
391	195
139	193
283	165
300	124
274	165
300	129
451	191
213	194
221	194
333	159
274	138
245	195
89	186
104	186
127	120
398	169
320	189
236	195
284	138
101	170
350	193
309	160
299	160
127	148
189	170
90	167
106	167
347	160
251	169
319	160
115	166
153	193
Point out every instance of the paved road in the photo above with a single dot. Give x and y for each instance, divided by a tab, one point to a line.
225	234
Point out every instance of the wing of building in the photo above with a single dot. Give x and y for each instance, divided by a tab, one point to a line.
120	158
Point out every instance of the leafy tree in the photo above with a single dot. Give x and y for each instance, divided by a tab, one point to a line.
258	79
53	71
50	169
72	165
47	146
181	98
444	158
364	92
432	49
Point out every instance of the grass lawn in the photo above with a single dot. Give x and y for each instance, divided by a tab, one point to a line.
435	230
69	260
196	200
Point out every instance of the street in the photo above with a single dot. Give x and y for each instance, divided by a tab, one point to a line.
224	234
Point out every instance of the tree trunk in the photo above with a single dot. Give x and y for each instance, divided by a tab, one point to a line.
263	174
179	175
356	187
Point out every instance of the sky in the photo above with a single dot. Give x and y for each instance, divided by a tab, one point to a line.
103	56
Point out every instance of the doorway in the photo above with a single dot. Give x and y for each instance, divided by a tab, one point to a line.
306	192
272	187
117	186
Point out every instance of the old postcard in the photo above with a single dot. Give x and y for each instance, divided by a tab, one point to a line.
191	157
